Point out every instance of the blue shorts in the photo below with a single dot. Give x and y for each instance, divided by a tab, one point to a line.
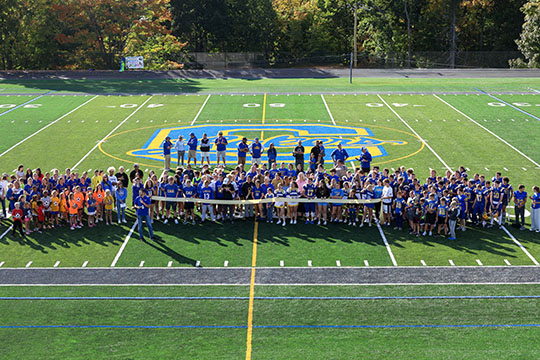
309	207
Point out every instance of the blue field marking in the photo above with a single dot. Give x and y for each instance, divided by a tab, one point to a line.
28	102
504	102
267	326
442	297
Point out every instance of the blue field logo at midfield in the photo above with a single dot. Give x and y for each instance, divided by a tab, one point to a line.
284	138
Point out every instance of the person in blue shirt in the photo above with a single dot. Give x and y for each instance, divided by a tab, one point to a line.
336	193
292	173
462	199
207	193
442	217
507	196
535	209
399	207
256	150
167	146
189	192
135	189
273	171
367	194
171	190
339	154
192	149
495	200
309	192
377	194
243	149
520	199
142	203
257	194
272	156
121	196
479	205
431	216
365	160
221	148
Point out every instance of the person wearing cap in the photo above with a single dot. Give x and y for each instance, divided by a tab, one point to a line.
192	149
339	154
365	160
243	149
256	150
167	146
136	172
180	148
221	147
298	154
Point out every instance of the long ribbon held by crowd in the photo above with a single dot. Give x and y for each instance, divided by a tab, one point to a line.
266	201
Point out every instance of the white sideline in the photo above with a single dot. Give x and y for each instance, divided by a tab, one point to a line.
112	131
5	232
489	131
424	141
328	109
520	246
124	244
387	245
43	128
200	110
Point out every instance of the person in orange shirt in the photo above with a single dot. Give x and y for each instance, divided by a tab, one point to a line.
73	212
55	208
78	196
99	195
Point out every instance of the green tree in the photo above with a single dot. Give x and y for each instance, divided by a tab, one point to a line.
529	41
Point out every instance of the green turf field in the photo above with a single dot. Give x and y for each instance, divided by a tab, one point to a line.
418	130
289	322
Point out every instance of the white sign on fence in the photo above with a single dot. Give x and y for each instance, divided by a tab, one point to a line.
134	62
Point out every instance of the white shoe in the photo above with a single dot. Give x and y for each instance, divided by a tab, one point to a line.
279	222
430	233
361	224
294	222
176	221
124	221
324	222
283	223
319	222
166	221
424	234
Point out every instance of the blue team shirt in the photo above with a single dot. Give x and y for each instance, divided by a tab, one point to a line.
242	146
256	150
520	198
190	191
170	190
166	147
535	201
139	202
339	154
221	144
257	192
399	204
442	210
192	143
431	205
309	190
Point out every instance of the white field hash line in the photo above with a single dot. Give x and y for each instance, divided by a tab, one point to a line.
43	128
387	245
410	128
489	131
200	110
121	250
112	131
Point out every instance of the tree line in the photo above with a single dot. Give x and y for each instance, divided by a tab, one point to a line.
85	34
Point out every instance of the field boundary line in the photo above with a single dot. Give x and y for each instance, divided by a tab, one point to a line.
421	138
201	109
28	102
43	128
234	298
520	245
121	250
252	292
489	131
387	245
279	284
111	132
5	233
507	103
328	109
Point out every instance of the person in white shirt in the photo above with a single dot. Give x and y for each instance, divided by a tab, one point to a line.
3	189
113	179
387	195
180	148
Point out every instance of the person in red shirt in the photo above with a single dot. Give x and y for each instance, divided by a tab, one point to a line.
41	215
17	215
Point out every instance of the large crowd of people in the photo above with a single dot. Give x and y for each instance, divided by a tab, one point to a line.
439	204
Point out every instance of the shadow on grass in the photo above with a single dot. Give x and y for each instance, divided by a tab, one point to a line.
473	240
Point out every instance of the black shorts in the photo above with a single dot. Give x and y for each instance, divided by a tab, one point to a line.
430	218
170	204
189	206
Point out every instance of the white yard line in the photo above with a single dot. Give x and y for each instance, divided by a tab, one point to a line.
414	132
366	263
520	246
85	264
479	262
28	264
198	263
451	262
281	263
507	262
338	263
226	263
387	245
124	244
328	109
43	128
423	263
5	232
169	264
2	263
112	131
201	109
141	264
309	263
489	131
56	264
